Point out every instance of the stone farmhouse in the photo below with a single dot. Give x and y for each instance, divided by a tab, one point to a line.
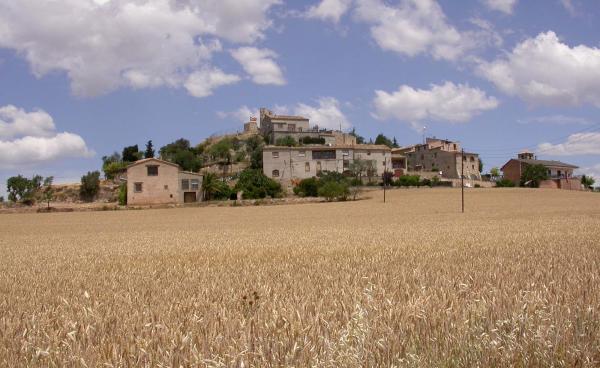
287	164
560	174
154	181
273	127
438	155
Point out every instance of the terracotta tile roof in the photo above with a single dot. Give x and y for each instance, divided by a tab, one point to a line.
549	163
143	161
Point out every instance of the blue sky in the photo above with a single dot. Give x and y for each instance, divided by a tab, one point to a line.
83	78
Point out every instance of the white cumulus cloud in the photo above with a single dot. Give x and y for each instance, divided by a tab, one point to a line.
326	114
412	27
29	138
448	102
576	144
329	10
242	114
260	64
202	83
106	45
545	71
504	6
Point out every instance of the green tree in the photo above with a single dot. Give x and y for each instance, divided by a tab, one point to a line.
587	181
358	168
359	138
287	141
1	199
532	175
123	194
21	189
149	150
495	172
221	150
383	140
480	165
254	184
48	193
90	186
209	185
131	154
112	169
395	143
254	147
188	161
169	150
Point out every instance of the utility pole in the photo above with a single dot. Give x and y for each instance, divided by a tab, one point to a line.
384	177
462	178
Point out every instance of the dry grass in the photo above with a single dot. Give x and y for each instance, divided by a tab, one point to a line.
513	282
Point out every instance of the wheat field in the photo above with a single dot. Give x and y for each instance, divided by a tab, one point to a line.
410	283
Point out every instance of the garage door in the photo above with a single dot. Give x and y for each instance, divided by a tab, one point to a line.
189	197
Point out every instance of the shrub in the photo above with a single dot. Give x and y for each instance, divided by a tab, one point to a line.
505	183
90	185
123	194
332	190
287	141
307	188
254	184
435	181
477	186
112	168
425	182
409	181
222	191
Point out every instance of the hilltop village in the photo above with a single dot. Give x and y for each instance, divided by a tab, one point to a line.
283	155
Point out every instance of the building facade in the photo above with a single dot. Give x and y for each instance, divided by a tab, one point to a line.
154	181
289	163
442	156
274	127
560	174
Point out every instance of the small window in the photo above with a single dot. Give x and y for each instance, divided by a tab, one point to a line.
368	153
472	159
166	187
346	164
454	146
345	153
195	184
275	173
318	166
422	156
473	167
185	184
152	170
137	187
302	153
307	167
435	155
275	154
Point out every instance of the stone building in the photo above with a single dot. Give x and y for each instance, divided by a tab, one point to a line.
560	174
289	163
154	181
251	126
442	156
274	127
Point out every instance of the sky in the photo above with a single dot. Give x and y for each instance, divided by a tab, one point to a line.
80	79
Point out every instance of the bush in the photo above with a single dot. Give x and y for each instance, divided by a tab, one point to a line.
287	141
222	191
435	181
425	182
332	190
307	188
111	169
505	183
123	194
477	186
409	181
254	185
90	185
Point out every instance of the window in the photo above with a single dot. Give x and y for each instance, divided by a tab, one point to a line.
464	158
166	187
435	155
291	127
473	167
195	184
307	167
299	129
302	153
152	170
346	164
137	187
472	159
275	173
422	156
318	167
345	153
368	153
454	146
185	184
275	154
324	155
